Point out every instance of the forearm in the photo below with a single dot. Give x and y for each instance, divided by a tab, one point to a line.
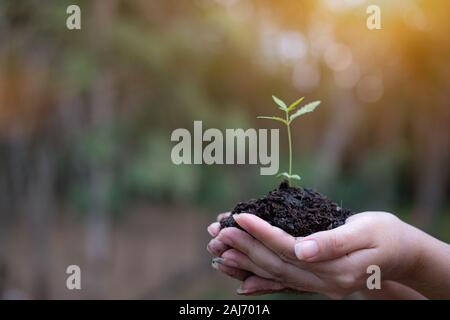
431	273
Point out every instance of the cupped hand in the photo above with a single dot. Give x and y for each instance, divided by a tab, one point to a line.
331	262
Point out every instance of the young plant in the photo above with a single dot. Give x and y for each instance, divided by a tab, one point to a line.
289	117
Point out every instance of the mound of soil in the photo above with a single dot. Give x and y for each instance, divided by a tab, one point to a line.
298	211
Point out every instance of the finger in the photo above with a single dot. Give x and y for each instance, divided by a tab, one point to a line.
216	247
223	215
236	259
235	273
255	285
268	260
245	243
276	239
335	243
353	263
214	229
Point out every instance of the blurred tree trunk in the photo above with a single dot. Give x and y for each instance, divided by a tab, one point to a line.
6	192
432	139
7	211
100	176
12	198
338	134
40	206
34	161
32	176
101	121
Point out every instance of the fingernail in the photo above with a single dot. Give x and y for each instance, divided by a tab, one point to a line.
214	246
229	263
306	249
218	260
237	217
210	229
241	291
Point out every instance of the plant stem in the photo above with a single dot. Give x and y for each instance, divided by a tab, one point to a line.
290	144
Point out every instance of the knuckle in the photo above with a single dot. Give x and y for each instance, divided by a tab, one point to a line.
287	255
278	270
227	236
237	260
368	219
380	218
229	254
209	248
388	218
212	247
346	281
277	274
234	273
338	241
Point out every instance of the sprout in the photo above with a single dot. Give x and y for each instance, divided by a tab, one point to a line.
289	117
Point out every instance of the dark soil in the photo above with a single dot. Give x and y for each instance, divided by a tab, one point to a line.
298	211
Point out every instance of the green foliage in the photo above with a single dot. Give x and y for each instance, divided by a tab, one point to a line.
295	103
310	107
289	176
280	103
307	108
274	118
170	66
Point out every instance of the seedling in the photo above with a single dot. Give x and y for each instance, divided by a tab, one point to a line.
290	116
298	211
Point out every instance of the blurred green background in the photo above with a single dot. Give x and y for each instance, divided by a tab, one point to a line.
86	117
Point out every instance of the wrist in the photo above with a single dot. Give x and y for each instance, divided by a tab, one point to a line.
405	258
411	254
428	271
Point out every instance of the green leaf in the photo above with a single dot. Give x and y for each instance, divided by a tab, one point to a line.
294	104
288	176
284	174
280	103
273	118
305	109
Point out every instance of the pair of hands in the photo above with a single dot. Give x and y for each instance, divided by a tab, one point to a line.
267	259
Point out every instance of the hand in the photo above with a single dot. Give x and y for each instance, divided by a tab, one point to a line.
331	262
216	248
251	284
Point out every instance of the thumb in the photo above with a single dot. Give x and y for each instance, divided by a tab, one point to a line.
335	243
